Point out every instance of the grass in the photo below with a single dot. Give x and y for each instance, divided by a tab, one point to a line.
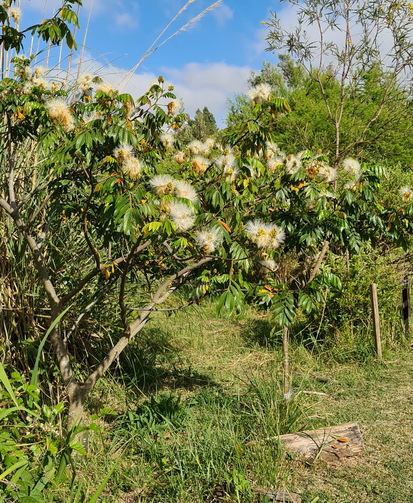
195	405
379	398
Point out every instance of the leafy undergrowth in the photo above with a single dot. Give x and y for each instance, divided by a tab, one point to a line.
194	409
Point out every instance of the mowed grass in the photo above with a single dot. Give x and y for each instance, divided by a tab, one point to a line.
197	405
379	397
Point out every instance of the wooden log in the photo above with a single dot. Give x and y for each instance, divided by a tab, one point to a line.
281	496
328	444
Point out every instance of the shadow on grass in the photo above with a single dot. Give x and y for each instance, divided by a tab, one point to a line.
264	333
153	363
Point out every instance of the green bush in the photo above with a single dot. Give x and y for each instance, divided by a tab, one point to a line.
343	322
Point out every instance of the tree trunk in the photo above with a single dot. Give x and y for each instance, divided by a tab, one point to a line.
77	394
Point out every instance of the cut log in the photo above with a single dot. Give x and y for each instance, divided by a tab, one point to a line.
280	496
329	444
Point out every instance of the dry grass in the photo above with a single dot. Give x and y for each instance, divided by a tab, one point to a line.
380	399
197	352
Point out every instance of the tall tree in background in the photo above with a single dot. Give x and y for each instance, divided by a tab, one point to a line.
308	125
202	126
359	57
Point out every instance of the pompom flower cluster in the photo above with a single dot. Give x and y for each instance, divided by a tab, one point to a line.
208	240
265	235
406	194
59	112
259	94
166	184
130	165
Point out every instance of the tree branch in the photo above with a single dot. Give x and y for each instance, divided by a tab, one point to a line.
162	293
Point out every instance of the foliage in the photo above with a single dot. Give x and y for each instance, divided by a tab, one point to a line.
201	127
189	450
33	452
307	126
240	219
53	30
344	322
363	87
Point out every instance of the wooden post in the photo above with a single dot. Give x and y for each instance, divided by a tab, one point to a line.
406	304
376	320
286	362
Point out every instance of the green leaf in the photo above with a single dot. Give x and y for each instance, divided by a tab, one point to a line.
6	383
17	465
306	303
78	447
284	309
151	227
102	486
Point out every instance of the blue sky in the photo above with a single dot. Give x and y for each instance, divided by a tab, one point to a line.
208	63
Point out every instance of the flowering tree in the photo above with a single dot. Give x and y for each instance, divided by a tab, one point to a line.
109	207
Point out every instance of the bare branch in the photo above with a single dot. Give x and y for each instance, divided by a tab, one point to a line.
162	293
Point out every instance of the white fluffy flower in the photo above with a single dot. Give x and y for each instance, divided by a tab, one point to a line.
271	149
268	266
180	157
132	167
293	163
39	71
406	193
327	173
181	215
200	164
225	161
123	152
259	93
273	163
163	184
196	147
173	107
185	190
208	240
105	87
167	140
352	166
231	174
209	143
40	82
59	111
15	14
85	82
265	235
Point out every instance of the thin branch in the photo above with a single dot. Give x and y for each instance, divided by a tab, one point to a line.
94	272
125	271
163	310
82	314
317	265
153	47
162	293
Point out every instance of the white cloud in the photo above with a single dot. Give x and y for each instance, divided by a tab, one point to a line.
209	85
126	20
197	85
222	14
257	47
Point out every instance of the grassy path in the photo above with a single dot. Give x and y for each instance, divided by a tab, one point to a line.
380	399
200	368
